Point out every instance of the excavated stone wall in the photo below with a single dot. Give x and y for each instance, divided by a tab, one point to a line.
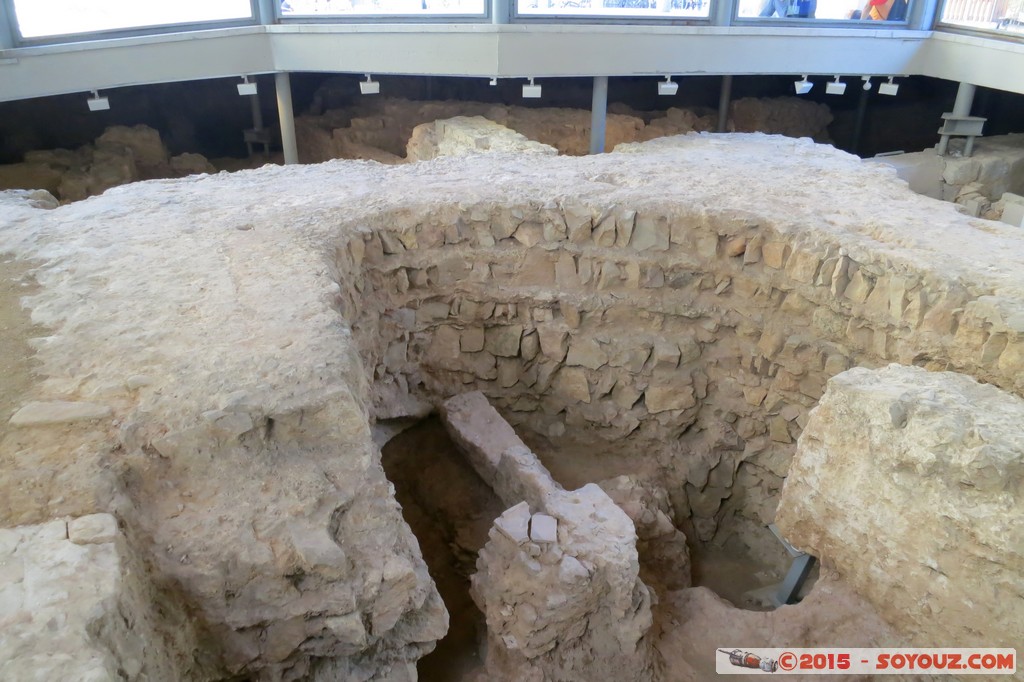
978	183
379	129
468	135
559	579
698	333
672	305
119	156
393	131
946	452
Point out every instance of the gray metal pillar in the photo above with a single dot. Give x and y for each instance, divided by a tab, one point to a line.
6	26
501	11
722	12
257	112
964	100
922	15
724	97
858	122
266	11
961	109
283	85
598	114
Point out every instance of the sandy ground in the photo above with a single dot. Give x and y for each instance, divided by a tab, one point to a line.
15	331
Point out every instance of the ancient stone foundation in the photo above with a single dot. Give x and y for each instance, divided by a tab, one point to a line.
947	452
669	308
559	579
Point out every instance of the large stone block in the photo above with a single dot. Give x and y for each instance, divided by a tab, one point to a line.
909	482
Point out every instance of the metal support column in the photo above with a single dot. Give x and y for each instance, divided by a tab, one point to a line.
964	100
257	134
283	85
266	11
959	121
501	11
6	27
724	97
598	114
858	122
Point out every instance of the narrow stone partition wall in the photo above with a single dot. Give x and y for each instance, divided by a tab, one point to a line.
559	579
911	483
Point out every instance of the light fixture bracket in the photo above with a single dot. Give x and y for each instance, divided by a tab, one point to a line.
97	103
836	87
369	86
889	88
667	87
246	88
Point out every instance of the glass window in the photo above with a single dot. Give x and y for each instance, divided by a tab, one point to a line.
878	10
992	15
698	9
296	8
39	18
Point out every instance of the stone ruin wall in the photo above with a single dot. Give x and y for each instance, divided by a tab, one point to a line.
386	130
943	450
382	129
591	300
697	336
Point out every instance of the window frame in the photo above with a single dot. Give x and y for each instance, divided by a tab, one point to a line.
635	20
958	29
289	19
858	24
20	40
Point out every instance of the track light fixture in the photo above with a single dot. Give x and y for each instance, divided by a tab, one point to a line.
667	87
245	88
867	82
97	103
530	90
369	86
802	86
889	88
836	87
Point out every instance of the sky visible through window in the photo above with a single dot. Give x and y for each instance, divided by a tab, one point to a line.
41	18
380	7
38	18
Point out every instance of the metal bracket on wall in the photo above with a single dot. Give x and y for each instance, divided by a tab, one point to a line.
788	590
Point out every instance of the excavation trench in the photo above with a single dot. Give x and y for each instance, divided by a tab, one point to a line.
653	318
451	510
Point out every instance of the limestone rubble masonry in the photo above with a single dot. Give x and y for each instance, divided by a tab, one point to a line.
909	483
307	303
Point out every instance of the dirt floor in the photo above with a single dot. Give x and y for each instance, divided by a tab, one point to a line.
15	331
450	510
730	571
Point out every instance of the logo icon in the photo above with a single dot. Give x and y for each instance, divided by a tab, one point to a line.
744	659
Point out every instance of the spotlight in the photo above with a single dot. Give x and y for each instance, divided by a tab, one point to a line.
531	91
889	88
803	86
836	87
97	103
867	82
369	86
245	88
493	81
667	87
